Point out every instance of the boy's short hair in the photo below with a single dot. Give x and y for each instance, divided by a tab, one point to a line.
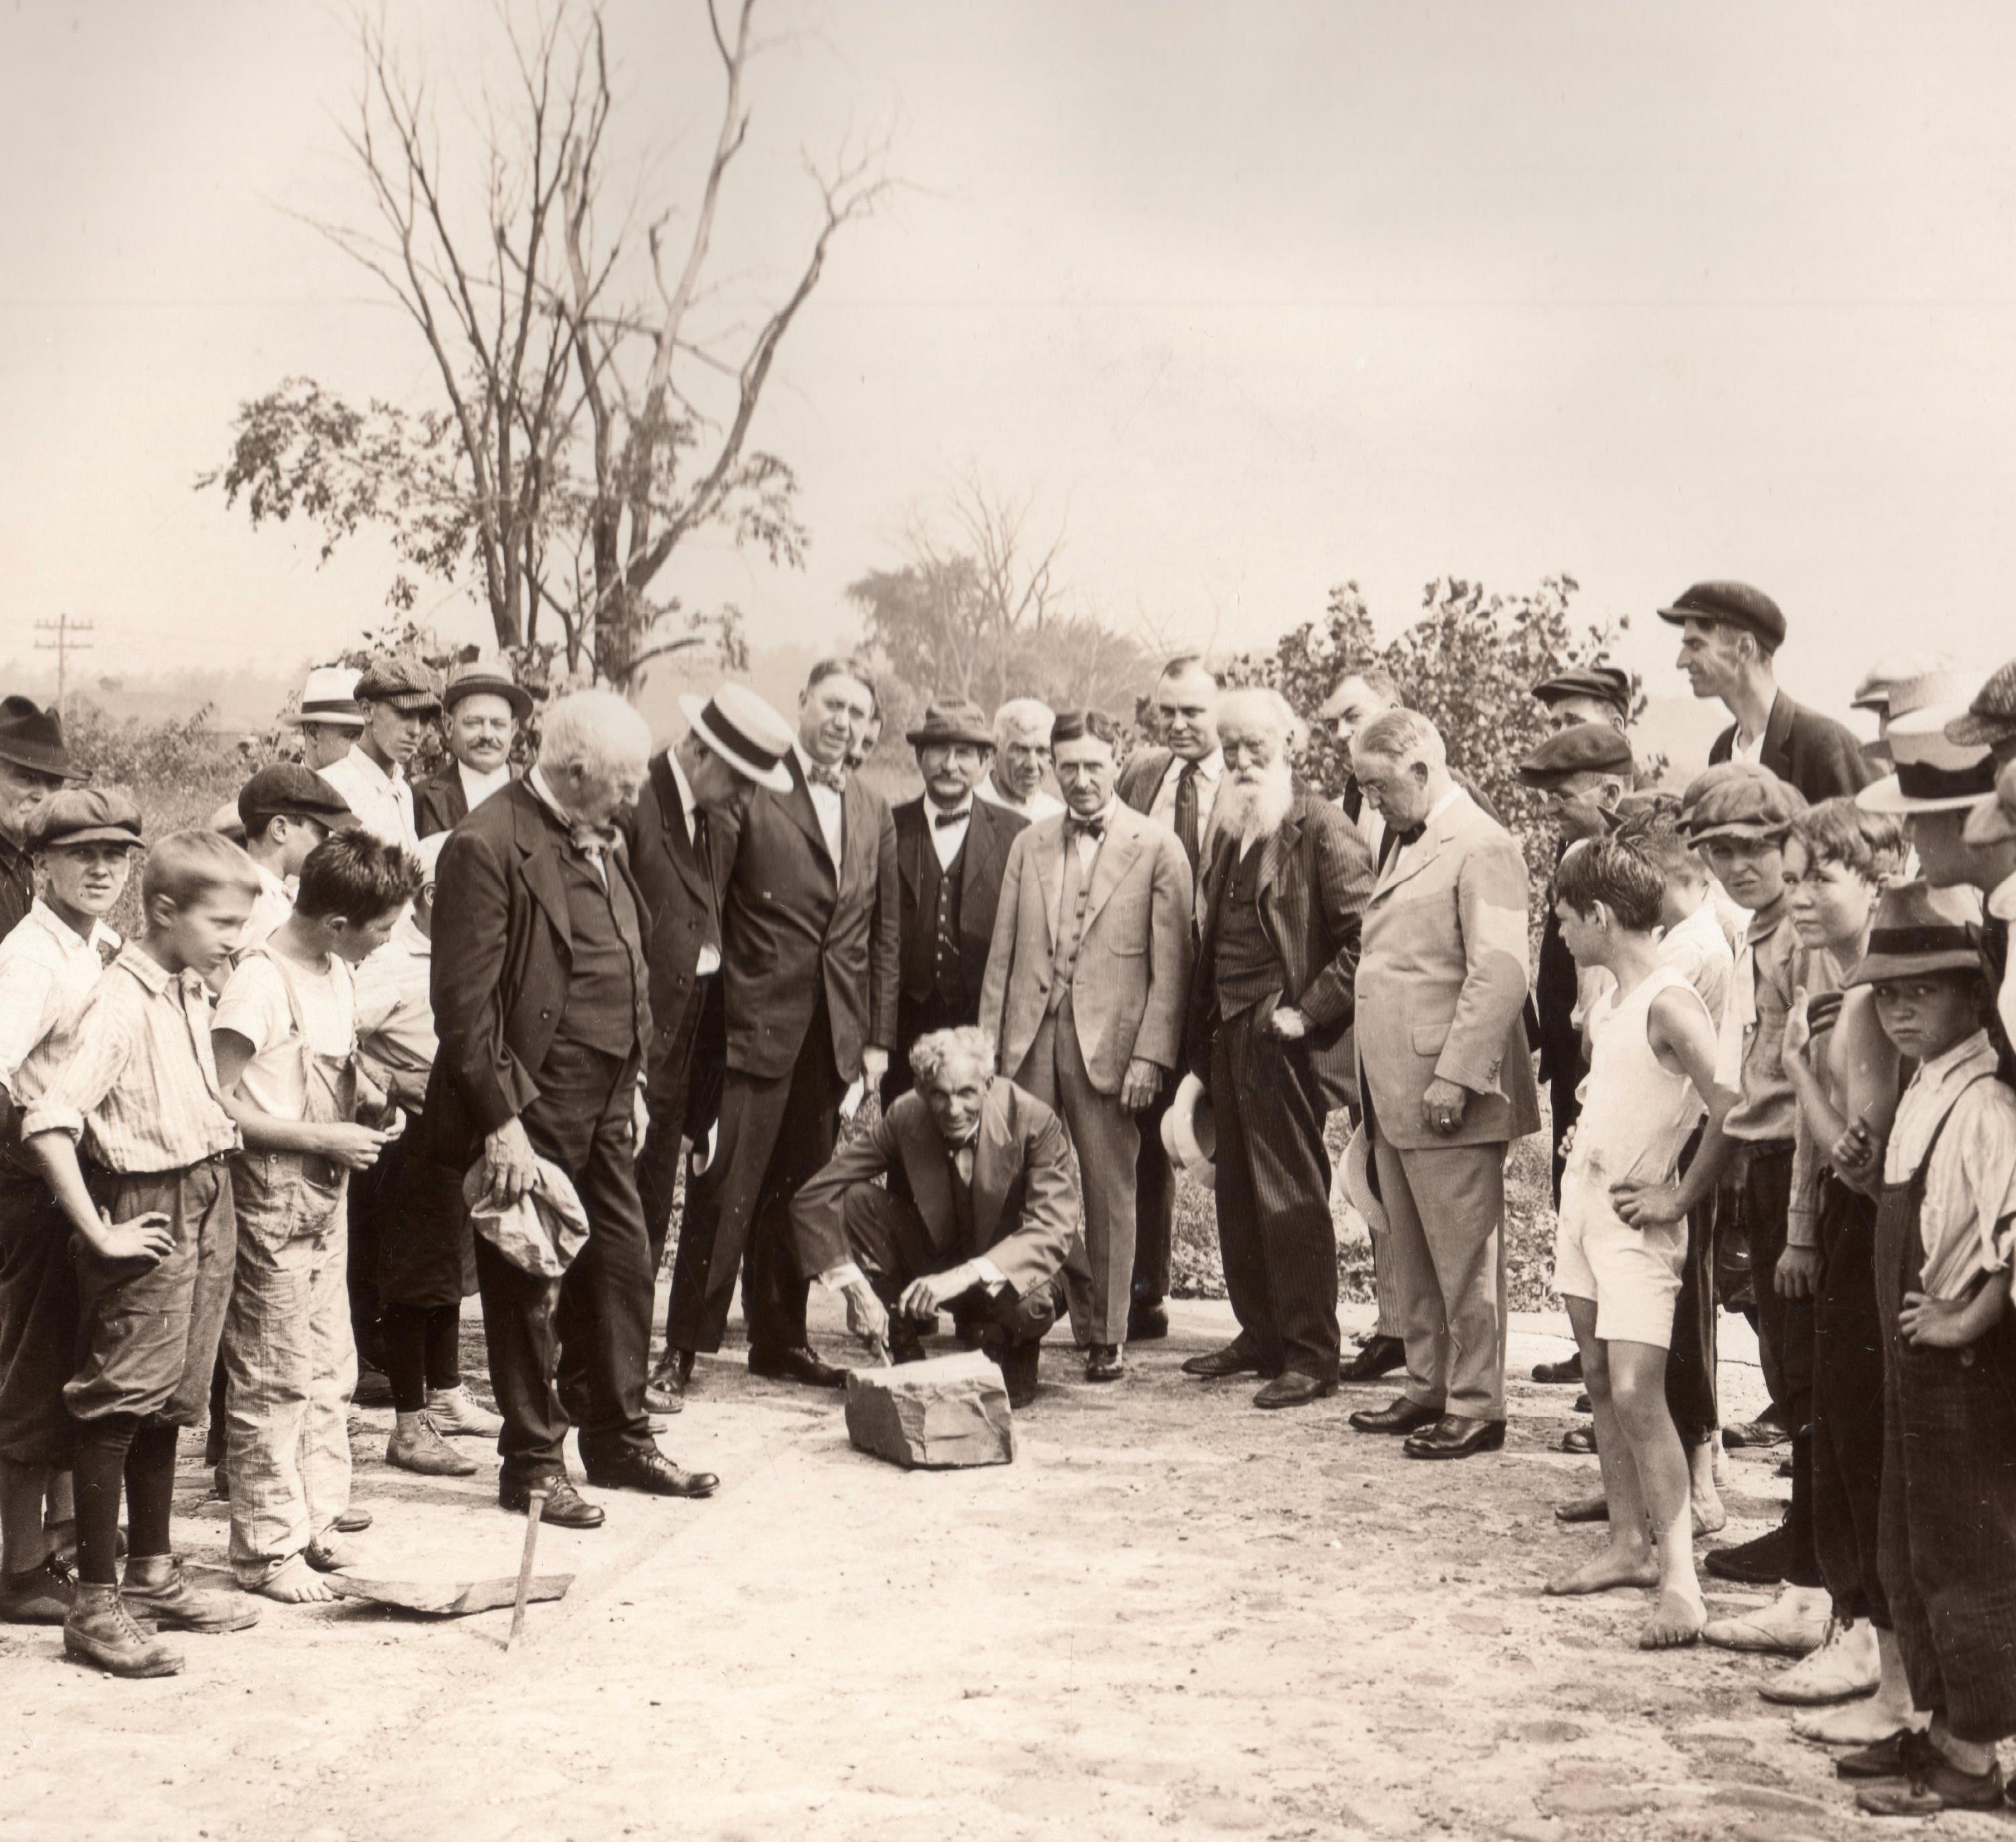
187	866
1871	844
1653	830
358	876
1608	870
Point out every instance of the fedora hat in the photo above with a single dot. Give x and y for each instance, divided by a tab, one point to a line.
955	720
1360	1188
490	676
1918	929
329	696
1190	1133
1934	773
32	737
745	732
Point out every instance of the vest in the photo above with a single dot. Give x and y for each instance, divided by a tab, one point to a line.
607	980
933	967
1071	920
1245	968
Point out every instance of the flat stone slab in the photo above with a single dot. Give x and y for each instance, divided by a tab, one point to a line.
936	1415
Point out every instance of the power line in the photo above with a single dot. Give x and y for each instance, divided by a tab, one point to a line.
64	642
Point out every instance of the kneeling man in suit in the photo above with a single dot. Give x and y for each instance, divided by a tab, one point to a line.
980	1213
1444	1077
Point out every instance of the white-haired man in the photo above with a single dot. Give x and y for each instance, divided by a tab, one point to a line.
1286	879
979	1215
542	1005
1014	782
1445	1078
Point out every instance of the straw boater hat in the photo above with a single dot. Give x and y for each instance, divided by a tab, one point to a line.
1993	821
1358	1180
745	732
1894	673
490	676
329	696
1190	1133
1918	929
1934	773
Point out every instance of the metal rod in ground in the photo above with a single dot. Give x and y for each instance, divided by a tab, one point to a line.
535	1508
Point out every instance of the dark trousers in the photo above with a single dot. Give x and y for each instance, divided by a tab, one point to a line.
361	1272
683	1099
891	1246
1564	1109
1848	1406
1154	1202
575	1346
1784	1338
1690	1359
775	1134
1274	1231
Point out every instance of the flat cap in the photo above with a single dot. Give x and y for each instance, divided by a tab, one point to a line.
1588	748
1606	683
288	789
1730	604
1990	720
1993	821
398	679
1739	799
490	676
84	815
954	720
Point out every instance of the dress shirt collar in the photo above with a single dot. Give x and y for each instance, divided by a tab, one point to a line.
679	780
477	787
2002	900
376	774
543	790
59	931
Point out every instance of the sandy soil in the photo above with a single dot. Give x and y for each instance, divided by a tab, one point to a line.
1173	1615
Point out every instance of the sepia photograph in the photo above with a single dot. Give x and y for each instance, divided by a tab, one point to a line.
987	921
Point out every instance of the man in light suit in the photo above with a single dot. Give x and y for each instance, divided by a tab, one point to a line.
1445	1078
979	1215
1087	980
809	907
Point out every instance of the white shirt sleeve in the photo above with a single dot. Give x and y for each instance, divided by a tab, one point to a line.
254	1006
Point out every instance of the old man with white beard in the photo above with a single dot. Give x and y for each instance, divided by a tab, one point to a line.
1286	876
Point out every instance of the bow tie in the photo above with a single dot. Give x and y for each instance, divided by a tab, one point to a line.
819	774
591	841
943	821
1406	835
1086	828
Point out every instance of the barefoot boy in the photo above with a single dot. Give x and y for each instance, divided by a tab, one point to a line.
1652	1055
134	1092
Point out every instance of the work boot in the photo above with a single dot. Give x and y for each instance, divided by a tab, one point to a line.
39	1595
416	1446
159	1588
457	1416
100	1631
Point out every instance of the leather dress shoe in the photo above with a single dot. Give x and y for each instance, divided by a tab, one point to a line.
1291	1388
653	1473
1452	1437
669	1381
800	1365
1561	1374
1237	1358
1104	1363
659	1400
566	1507
1376	1356
1405	1415
1759	1562
1147	1321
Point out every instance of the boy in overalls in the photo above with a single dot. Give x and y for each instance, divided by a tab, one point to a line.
1946	1535
286	1043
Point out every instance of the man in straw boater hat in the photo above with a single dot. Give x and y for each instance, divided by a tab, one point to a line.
329	718
34	764
398	698
732	738
1990	834
950	850
482	706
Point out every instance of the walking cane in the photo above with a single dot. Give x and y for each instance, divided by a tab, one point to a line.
535	1508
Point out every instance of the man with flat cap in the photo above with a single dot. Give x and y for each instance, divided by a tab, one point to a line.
1990	722
287	810
398	700
481	708
1585	694
34	764
950	849
1729	635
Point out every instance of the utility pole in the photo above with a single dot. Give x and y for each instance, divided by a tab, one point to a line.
64	643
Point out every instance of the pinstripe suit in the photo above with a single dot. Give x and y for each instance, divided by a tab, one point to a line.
1269	1097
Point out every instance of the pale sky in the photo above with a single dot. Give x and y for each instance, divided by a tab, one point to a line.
1260	296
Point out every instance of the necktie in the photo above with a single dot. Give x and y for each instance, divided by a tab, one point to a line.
1187	812
944	821
962	1161
819	774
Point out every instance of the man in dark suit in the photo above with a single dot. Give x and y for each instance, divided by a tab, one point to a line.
950	847
1176	784
481	709
732	737
1271	999
809	903
979	1215
1730	634
541	1005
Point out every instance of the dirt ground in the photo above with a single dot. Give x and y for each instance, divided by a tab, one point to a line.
1171	1616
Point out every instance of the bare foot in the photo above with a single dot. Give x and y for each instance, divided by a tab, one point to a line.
292	1584
1710	1516
1677	1621
1853	1723
1594	1508
1607	1568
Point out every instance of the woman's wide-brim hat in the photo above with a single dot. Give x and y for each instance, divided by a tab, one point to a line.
1190	1133
32	737
745	732
1934	773
1917	929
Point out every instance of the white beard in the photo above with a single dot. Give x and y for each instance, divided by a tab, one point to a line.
1252	811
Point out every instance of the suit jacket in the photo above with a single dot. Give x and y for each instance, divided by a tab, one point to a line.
1025	1211
1315	876
988	834
1441	985
500	966
678	889
1821	757
439	804
1130	986
1142	777
791	927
